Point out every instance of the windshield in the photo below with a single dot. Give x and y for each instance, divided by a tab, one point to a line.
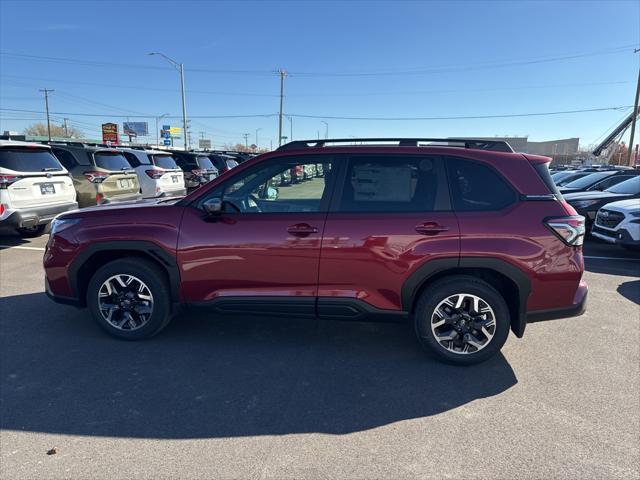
571	178
165	161
29	160
111	161
205	163
588	180
560	175
631	186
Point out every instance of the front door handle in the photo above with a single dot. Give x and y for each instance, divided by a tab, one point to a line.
301	229
431	228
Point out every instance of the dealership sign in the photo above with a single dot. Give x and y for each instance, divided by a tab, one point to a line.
135	129
110	133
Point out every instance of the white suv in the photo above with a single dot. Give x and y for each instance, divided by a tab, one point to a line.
158	173
619	222
34	187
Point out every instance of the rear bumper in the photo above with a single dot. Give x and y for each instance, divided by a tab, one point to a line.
121	198
30	217
577	308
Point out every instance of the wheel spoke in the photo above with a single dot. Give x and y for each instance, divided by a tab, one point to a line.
130	297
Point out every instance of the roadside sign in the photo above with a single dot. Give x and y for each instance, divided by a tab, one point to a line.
135	129
204	144
166	142
110	133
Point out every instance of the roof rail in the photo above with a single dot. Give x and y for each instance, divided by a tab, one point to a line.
480	144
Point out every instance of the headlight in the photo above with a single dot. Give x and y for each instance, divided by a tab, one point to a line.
60	224
584	203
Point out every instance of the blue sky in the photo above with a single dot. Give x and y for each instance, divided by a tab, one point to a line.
421	59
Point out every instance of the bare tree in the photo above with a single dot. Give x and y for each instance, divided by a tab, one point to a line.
40	130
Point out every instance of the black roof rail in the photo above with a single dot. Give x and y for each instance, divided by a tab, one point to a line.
480	144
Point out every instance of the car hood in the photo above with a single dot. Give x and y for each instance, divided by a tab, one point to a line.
595	195
624	205
115	208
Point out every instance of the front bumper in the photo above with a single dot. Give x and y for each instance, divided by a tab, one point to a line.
619	237
59	299
577	308
30	217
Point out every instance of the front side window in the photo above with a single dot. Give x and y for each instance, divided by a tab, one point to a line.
477	187
393	184
286	185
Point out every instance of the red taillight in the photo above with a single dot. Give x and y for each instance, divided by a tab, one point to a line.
569	229
1	209
99	198
154	173
6	180
198	172
96	177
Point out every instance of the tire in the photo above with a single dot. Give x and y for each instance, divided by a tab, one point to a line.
32	232
136	326
442	290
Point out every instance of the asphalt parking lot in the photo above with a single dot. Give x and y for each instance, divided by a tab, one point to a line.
276	398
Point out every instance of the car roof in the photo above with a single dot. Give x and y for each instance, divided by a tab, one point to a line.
84	146
18	143
629	204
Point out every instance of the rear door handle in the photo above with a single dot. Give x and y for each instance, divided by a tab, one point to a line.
430	228
301	229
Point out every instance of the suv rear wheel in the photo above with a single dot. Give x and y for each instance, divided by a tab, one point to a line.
462	320
130	298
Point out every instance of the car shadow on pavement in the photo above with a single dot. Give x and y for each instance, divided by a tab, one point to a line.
222	377
630	290
625	267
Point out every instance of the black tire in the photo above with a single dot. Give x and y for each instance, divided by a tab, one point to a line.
32	232
153	277
449	286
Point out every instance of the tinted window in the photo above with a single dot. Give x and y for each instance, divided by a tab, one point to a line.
610	182
477	187
287	185
66	158
28	160
631	186
205	163
588	180
393	184
111	161
131	158
570	178
165	161
543	172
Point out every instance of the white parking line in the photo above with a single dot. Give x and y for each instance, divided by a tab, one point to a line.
612	258
38	249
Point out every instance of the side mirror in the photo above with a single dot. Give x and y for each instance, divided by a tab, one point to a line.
213	206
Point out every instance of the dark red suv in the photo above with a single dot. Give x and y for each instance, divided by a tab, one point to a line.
464	238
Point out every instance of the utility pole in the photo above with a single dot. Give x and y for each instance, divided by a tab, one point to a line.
46	104
246	140
633	122
282	74
291	135
66	127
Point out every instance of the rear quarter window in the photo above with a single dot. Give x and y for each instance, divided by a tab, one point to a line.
29	160
477	187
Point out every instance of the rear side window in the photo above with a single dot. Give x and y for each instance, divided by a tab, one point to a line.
542	169
111	161
66	158
165	161
394	184
477	187
29	160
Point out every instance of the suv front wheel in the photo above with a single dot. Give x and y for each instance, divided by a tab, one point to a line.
130	298
462	320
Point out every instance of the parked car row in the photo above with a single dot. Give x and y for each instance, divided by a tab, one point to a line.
608	199
40	180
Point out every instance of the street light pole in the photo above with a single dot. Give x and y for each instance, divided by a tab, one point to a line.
291	135
180	68
282	74
257	130
326	129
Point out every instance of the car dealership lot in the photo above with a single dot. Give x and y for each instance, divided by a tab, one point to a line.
281	398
